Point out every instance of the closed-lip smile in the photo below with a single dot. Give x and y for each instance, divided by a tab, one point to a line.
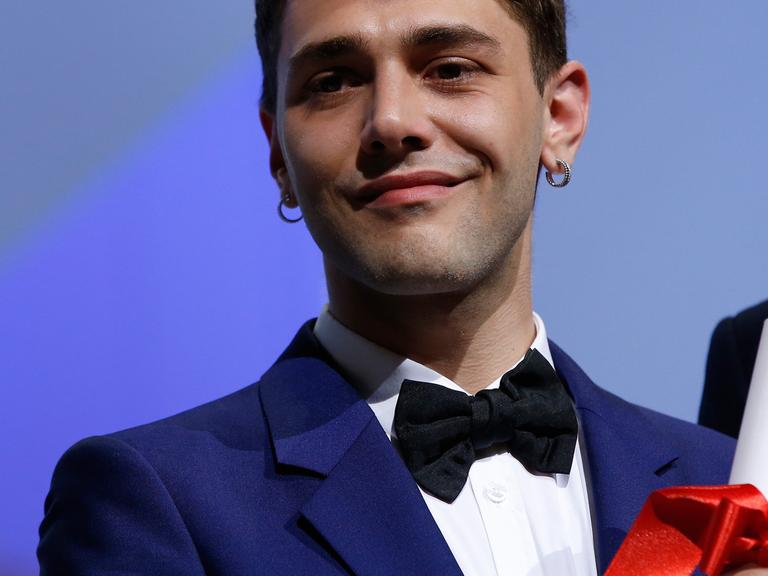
411	188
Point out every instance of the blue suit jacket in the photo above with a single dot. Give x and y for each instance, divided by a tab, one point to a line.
294	475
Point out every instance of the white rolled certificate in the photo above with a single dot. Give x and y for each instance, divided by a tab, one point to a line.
750	465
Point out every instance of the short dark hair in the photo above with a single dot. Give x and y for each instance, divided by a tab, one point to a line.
543	21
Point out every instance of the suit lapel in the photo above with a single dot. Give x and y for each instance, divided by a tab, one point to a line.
371	512
367	508
627	457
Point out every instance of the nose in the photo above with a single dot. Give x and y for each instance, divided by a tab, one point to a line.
397	119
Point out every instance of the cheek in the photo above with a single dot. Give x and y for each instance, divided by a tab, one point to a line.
499	132
318	154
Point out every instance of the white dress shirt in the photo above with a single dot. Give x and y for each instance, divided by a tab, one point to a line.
506	521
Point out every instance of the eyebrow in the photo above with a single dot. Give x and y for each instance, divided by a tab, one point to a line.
325	50
459	35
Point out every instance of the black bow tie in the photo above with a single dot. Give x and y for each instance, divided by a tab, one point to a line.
440	430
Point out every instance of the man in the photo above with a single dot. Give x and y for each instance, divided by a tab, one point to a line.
730	362
410	133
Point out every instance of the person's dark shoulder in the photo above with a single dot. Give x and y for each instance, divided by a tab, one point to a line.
745	328
730	361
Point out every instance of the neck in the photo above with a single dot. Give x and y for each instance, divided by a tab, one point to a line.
470	337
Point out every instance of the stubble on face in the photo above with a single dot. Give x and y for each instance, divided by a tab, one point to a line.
428	259
487	130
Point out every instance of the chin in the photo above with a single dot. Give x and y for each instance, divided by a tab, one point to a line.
419	260
415	284
410	273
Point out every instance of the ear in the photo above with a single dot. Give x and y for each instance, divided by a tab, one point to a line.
276	160
567	100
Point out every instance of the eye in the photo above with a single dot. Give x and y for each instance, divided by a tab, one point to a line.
449	71
452	72
332	81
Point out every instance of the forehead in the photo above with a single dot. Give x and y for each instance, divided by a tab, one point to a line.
380	23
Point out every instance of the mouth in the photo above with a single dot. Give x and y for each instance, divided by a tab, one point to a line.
407	189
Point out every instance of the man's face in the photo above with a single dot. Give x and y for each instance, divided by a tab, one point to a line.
410	131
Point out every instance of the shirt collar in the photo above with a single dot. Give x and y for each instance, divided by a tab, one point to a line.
377	373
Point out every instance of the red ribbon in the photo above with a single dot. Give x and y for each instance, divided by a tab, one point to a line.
712	527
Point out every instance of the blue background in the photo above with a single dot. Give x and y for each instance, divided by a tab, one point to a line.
143	269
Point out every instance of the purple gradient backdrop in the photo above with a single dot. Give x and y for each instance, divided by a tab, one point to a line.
143	269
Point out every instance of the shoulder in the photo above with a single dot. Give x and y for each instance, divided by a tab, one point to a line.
131	498
735	339
699	447
750	319
705	445
616	424
174	455
127	500
183	453
196	446
235	421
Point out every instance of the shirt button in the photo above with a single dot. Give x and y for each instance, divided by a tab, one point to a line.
496	493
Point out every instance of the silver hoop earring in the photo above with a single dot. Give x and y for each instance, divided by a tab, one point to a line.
283	217
563	165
